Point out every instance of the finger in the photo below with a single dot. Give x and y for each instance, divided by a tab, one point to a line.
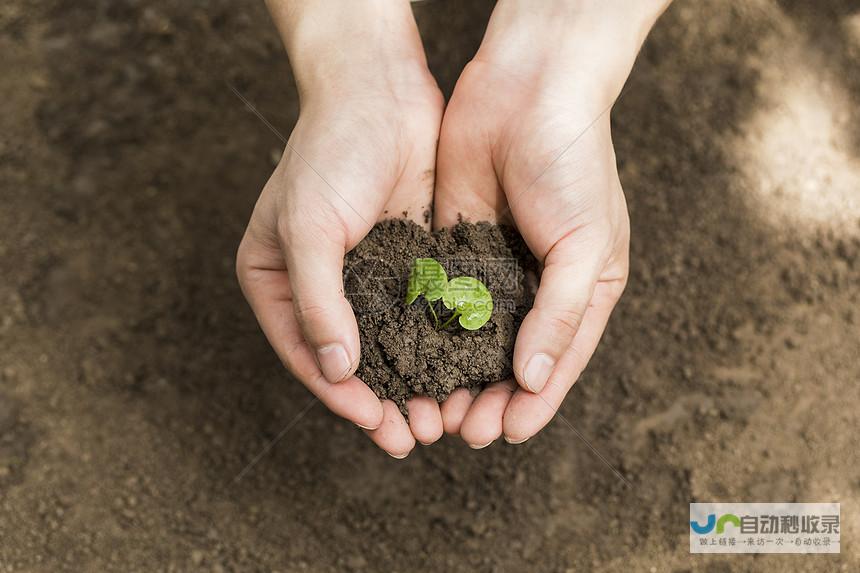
314	257
393	434
412	198
268	292
454	410
483	422
425	419
566	286
466	183
527	413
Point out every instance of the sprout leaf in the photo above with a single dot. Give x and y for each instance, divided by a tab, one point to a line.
428	278
470	300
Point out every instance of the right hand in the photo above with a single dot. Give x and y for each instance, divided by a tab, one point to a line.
362	147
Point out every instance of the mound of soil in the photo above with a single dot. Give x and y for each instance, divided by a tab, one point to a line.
402	352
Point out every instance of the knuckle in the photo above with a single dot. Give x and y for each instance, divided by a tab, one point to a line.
611	291
502	388
566	320
580	359
242	266
306	230
561	389
309	311
245	272
618	287
252	263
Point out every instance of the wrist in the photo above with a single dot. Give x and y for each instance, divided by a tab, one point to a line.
583	45
343	46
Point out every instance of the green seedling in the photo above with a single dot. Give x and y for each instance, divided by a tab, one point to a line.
470	300
466	296
428	278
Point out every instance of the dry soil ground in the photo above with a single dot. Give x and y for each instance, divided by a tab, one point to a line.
134	383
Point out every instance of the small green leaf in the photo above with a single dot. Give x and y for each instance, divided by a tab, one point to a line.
428	278
470	299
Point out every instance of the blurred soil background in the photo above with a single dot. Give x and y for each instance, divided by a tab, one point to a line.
135	384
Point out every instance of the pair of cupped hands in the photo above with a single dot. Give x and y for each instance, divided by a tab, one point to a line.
525	140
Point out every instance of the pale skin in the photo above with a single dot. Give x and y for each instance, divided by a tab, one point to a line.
524	140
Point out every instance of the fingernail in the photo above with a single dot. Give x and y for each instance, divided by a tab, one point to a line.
477	447
334	362
366	427
515	442
400	457
537	371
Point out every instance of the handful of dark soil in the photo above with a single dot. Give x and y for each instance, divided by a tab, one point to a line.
402	352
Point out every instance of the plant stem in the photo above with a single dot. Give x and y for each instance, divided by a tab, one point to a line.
433	312
447	322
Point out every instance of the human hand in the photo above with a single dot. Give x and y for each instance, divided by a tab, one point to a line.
526	139
363	146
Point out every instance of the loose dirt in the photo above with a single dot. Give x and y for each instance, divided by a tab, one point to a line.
402	351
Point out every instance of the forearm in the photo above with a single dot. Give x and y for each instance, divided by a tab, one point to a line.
349	42
585	44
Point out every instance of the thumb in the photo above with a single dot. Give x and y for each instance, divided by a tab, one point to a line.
315	270
571	270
